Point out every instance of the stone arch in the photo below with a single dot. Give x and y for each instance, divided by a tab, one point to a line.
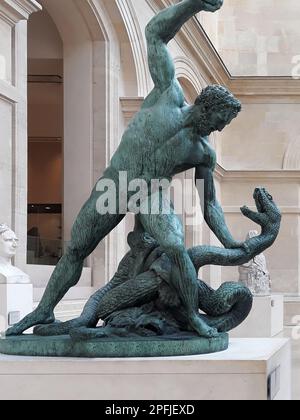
187	71
93	34
189	90
83	50
79	37
138	46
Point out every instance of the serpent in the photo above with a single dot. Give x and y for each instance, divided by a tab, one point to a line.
140	298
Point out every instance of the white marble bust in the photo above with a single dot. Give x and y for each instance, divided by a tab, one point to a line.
8	248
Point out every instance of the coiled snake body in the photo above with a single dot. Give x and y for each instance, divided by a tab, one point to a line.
140	301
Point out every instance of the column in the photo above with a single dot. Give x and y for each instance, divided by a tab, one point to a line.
13	117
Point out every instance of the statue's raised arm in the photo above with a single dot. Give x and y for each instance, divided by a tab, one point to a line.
162	29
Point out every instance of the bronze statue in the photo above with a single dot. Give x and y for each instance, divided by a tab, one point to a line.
166	137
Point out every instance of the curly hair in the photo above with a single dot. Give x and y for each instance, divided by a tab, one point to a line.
218	98
4	228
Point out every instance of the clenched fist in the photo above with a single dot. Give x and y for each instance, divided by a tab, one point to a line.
210	5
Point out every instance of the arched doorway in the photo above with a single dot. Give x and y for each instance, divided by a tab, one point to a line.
93	36
45	141
67	134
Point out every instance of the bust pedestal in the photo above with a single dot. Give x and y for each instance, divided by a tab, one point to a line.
16	292
16	301
12	275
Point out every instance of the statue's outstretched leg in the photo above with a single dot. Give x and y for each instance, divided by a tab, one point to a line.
141	246
89	229
88	318
166	228
131	293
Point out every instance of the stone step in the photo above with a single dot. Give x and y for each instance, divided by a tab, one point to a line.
70	309
76	293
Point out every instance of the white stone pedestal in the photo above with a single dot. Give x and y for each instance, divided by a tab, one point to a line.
16	301
265	320
241	373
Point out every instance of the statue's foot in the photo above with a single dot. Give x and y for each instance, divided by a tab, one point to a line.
37	317
201	327
62	328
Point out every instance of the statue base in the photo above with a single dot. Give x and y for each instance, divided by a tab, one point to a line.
185	345
251	369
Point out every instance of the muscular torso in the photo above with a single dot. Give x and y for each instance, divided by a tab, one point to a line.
157	143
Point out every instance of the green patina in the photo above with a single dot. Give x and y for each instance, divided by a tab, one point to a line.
112	348
156	292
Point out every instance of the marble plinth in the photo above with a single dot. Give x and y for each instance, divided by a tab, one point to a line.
16	301
29	345
243	372
265	319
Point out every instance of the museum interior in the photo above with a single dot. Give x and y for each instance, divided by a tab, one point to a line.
73	73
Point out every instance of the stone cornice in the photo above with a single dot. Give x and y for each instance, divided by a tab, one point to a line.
130	106
264	86
257	175
13	11
195	41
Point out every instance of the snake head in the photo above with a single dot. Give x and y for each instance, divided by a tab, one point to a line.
266	205
268	213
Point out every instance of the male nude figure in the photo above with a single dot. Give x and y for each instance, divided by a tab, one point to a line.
165	138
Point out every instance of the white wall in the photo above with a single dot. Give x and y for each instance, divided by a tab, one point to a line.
283	256
13	119
261	147
258	139
5	52
257	38
6	169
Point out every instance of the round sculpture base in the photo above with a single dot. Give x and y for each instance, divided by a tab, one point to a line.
185	345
